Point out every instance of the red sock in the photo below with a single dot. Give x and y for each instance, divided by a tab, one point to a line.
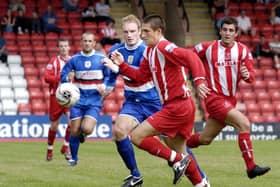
192	172
67	133
156	148
51	136
193	141
245	146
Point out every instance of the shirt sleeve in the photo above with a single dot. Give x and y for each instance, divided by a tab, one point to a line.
184	57
248	62
67	68
143	74
49	74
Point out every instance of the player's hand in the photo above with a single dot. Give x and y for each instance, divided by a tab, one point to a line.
102	91
110	64
244	72
202	90
117	57
71	76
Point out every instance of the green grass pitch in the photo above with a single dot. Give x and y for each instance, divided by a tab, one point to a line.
23	164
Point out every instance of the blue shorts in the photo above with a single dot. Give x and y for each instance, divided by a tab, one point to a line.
79	111
140	110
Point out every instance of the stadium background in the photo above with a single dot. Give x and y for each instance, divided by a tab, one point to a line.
24	100
24	92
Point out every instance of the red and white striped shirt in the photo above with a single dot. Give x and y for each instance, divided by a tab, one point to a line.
166	64
222	65
52	72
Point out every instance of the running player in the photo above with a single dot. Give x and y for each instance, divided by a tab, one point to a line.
164	62
226	63
93	79
52	77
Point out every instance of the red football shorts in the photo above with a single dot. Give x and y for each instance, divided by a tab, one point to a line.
56	110
175	118
218	106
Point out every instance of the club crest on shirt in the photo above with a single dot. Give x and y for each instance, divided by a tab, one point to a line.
87	64
130	59
49	66
226	104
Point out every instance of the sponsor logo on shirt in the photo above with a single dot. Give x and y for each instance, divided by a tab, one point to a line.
87	64
130	59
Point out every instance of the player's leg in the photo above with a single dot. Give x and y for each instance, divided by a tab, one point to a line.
74	141
202	173
65	147
241	122
124	124
88	123
143	137
51	138
192	171
55	111
207	135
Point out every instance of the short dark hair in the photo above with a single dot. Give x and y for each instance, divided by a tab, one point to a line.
230	20
156	22
63	40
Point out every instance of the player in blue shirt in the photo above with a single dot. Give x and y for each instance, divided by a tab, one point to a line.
142	99
94	81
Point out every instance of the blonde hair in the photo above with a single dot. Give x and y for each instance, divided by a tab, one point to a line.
131	19
88	33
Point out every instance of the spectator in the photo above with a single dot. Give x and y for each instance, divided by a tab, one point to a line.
275	48
99	48
262	49
16	5
217	6
70	5
8	22
221	17
22	23
35	22
49	21
109	34
244	23
88	14
3	51
102	11
275	13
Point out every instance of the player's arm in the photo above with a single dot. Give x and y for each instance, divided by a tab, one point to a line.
142	74
67	74
109	82
185	57
247	67
49	74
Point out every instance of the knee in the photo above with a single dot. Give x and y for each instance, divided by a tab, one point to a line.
206	140
75	132
88	130
135	139
245	126
119	132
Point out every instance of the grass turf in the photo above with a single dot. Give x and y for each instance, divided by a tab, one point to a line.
23	164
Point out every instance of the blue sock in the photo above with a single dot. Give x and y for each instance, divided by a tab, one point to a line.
74	146
126	151
200	171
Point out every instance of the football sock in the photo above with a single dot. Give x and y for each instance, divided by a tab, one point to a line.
126	151
197	165
193	141
156	148
51	137
67	133
245	146
74	146
192	172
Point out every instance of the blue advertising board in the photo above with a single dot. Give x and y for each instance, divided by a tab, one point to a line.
259	131
37	126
